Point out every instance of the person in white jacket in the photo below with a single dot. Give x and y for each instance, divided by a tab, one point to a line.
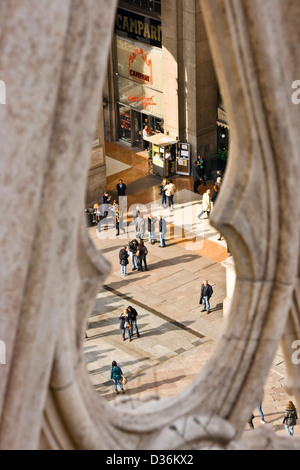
170	190
206	204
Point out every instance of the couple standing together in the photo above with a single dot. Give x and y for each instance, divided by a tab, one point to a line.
128	321
167	190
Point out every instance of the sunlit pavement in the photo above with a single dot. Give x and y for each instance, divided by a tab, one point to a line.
176	338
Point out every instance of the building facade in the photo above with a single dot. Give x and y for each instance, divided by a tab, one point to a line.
159	73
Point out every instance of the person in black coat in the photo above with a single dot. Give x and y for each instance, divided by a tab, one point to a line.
121	188
123	257
206	293
132	313
141	253
196	175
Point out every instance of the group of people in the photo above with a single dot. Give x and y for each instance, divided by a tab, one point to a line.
102	211
289	419
140	227
138	252
128	322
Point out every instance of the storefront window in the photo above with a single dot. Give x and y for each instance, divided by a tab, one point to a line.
124	123
139	92
148	5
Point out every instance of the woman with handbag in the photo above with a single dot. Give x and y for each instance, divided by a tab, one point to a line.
116	375
125	324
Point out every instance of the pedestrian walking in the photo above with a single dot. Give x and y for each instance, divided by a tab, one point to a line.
121	188
162	227
196	175
133	320
202	165
250	421
133	246
116	375
123	257
141	253
206	204
170	190
214	194
125	325
290	418
162	193
206	293
151	221
139	226
262	417
135	213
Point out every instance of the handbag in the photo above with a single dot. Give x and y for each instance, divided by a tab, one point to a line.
138	253
123	380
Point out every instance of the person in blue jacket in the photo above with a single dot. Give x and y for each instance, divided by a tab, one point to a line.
116	374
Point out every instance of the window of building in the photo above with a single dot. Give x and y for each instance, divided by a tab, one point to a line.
148	5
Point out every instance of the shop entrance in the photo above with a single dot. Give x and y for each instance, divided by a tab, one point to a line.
132	123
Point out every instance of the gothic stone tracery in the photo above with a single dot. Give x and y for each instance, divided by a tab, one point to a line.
49	270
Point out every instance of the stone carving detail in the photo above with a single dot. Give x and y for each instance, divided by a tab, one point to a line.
50	271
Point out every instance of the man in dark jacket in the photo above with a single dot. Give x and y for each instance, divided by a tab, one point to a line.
133	246
196	175
123	257
121	188
132	314
206	293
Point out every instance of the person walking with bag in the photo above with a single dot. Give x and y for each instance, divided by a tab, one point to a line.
196	175
116	375
290	418
125	324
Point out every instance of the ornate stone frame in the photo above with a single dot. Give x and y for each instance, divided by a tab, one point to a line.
50	271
